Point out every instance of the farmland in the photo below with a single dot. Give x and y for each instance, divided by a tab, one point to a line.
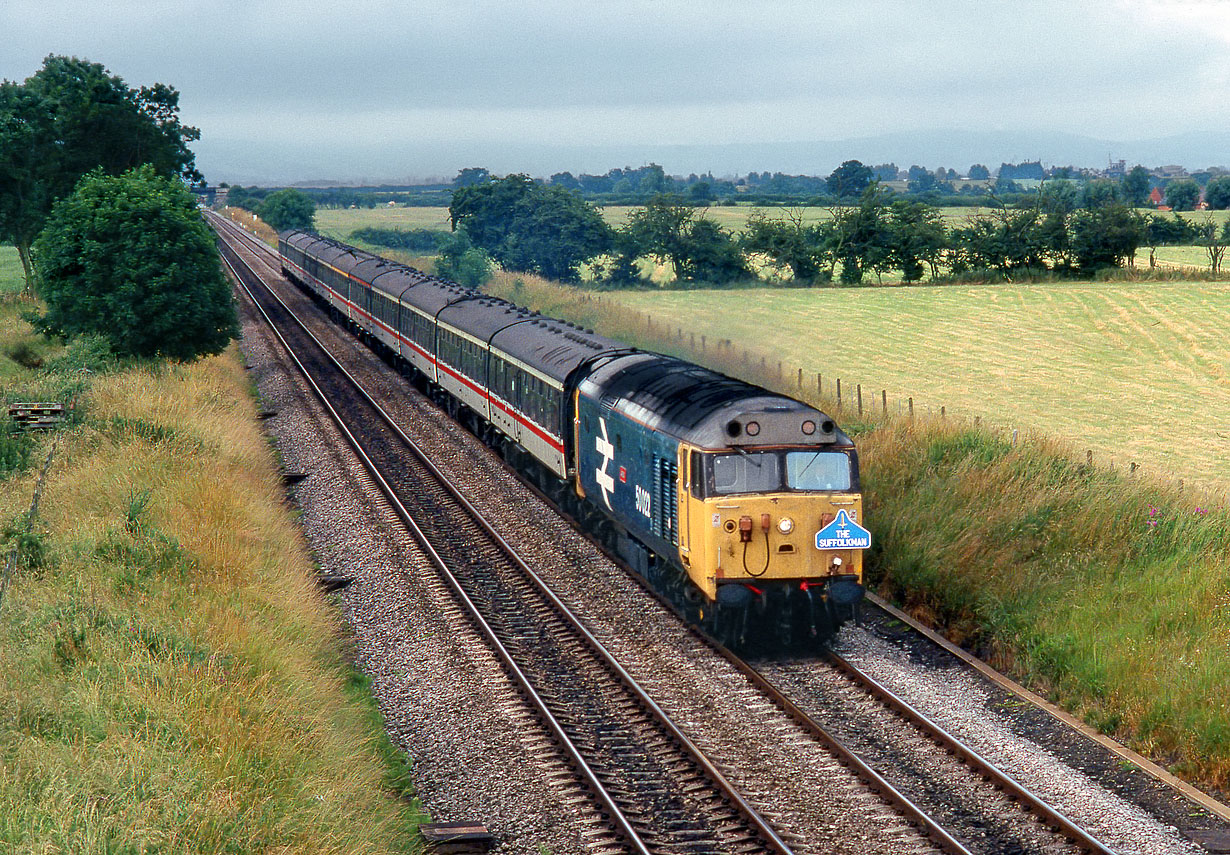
1135	372
339	223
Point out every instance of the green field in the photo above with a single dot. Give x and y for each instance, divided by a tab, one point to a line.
1134	372
338	223
171	679
11	279
1138	372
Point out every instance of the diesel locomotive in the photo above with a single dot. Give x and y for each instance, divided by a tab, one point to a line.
740	505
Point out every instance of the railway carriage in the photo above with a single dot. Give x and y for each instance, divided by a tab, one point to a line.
325	267
463	334
535	365
740	505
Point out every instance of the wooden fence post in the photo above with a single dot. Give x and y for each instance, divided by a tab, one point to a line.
911	406
839	393
859	387
884	401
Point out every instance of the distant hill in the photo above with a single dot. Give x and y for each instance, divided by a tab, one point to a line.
242	162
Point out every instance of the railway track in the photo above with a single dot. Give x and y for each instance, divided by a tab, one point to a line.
660	792
620	746
982	806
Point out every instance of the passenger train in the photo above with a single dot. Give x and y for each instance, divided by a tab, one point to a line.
740	505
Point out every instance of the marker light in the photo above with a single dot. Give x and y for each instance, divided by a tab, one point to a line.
752	428
785	525
809	427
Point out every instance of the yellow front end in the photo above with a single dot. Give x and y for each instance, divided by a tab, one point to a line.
762	537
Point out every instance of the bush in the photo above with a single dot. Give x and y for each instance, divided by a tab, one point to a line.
463	262
412	240
288	209
129	258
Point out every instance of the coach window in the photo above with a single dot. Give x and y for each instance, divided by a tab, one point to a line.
555	406
495	382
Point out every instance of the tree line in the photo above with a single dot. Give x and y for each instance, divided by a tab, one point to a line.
532	227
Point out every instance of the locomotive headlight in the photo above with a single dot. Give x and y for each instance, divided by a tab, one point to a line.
785	525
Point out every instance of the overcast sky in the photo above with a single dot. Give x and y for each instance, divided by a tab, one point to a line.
307	90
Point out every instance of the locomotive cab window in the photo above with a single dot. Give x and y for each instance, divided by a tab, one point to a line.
817	470
746	473
775	471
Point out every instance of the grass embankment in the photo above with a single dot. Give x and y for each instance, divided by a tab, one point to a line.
170	678
1107	591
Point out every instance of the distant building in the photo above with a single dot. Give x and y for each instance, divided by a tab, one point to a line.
1116	169
1170	171
1155	197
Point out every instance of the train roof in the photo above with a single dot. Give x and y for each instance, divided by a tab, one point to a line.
693	403
338	255
552	347
394	279
481	316
391	277
703	407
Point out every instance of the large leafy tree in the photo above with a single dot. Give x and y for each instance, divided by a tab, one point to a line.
1003	240
917	236
1182	195
1100	193
661	229
130	258
288	209
713	255
790	242
860	236
531	227
698	249
1107	236
1135	186
1217	193
72	117
850	179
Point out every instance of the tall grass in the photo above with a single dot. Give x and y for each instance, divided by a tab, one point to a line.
1109	591
171	679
